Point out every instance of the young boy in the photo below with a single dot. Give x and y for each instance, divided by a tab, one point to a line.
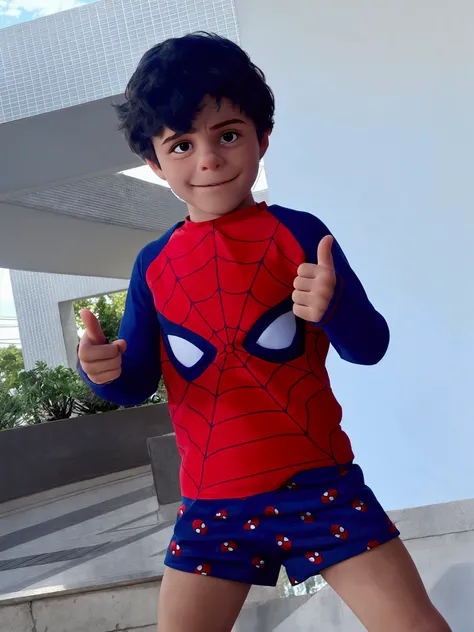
236	306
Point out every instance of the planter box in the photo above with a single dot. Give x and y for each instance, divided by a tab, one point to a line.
37	458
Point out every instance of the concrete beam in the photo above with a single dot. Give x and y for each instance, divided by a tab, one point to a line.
51	242
69	144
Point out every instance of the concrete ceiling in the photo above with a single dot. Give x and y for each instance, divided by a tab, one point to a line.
51	242
91	227
63	206
111	199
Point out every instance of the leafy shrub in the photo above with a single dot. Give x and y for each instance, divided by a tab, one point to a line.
108	309
50	394
11	365
11	409
87	402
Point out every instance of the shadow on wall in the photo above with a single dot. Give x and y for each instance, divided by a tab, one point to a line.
453	596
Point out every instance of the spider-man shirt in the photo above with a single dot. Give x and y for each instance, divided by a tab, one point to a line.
209	307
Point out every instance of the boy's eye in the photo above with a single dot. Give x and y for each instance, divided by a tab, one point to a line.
182	148
229	137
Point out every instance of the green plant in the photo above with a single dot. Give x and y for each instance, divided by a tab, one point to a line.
88	403
48	394
108	309
11	409
161	393
11	365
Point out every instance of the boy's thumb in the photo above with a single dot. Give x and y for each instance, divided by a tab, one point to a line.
95	335
122	346
325	252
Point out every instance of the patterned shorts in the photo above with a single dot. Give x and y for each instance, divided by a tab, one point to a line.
317	519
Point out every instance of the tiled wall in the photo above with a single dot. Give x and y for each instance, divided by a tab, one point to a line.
89	52
37	297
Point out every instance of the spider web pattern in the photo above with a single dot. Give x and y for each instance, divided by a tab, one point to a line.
246	424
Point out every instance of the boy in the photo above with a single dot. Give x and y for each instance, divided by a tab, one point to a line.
236	306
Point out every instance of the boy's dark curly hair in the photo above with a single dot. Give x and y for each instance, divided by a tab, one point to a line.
172	78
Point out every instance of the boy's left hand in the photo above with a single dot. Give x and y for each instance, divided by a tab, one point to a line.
315	284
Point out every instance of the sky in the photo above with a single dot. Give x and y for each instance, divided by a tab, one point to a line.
8	328
7	306
17	11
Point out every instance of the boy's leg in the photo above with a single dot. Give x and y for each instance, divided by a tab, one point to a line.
384	590
193	603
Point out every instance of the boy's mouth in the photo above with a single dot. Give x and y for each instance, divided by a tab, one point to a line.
215	184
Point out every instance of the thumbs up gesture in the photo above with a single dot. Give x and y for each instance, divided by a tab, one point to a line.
101	362
315	284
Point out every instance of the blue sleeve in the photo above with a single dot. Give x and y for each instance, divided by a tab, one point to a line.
141	367
357	331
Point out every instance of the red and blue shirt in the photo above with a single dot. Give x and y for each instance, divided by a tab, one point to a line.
209	307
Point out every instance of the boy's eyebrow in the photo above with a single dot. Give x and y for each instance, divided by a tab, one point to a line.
229	122
174	137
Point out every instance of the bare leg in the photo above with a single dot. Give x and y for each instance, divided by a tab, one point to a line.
384	590
193	603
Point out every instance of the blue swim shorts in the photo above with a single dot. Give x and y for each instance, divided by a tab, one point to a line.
318	518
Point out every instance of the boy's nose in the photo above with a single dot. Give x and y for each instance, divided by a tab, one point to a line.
210	161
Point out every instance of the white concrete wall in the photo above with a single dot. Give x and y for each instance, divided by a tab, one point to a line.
47	332
374	133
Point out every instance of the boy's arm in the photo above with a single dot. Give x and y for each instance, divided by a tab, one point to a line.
357	331
354	327
136	356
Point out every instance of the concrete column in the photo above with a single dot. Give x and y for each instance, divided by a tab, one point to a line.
68	324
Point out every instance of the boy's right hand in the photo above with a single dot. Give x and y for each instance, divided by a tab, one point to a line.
101	362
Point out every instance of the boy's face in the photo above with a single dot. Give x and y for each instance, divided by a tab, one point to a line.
214	166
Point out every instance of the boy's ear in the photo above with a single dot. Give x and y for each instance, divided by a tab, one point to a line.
264	143
156	169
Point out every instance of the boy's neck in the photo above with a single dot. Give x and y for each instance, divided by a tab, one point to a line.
197	215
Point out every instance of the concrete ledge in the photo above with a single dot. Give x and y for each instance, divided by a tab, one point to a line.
127	608
445	560
433	520
65	491
37	458
58	592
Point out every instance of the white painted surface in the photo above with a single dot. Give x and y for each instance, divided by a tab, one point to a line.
374	133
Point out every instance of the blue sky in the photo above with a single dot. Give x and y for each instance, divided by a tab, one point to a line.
17	11
7	306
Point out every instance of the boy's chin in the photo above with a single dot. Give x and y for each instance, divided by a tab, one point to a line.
218	208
